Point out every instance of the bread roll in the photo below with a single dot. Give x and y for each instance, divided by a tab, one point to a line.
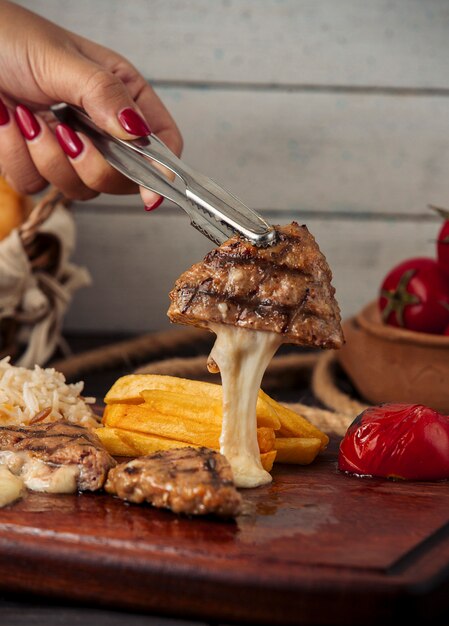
14	208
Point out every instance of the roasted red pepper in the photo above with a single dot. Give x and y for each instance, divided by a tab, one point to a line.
408	441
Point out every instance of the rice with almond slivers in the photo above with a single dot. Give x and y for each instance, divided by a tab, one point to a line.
28	396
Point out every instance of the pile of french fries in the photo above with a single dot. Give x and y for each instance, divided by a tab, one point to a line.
145	413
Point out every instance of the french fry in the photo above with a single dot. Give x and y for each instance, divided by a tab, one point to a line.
293	424
182	405
128	389
189	428
298	450
112	442
266	439
147	444
119	442
267	459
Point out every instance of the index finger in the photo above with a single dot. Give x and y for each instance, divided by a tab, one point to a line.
161	122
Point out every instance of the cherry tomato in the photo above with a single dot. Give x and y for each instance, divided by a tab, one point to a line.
415	295
443	247
408	441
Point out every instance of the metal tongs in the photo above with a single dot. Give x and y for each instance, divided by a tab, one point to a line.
212	210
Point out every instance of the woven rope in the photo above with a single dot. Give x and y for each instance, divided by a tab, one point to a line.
130	352
284	372
325	388
39	214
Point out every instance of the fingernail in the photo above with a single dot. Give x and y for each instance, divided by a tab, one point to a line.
155	204
133	123
4	114
26	121
69	140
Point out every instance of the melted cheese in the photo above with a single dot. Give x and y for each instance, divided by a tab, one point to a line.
242	356
11	486
38	475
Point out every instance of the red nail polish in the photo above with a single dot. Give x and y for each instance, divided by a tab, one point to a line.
26	121
4	114
133	123
155	204
69	140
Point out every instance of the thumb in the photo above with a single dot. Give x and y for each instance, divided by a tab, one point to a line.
102	95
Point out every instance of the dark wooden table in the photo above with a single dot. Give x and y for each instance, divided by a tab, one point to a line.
382	554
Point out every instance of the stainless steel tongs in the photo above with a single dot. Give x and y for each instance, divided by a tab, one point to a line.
212	210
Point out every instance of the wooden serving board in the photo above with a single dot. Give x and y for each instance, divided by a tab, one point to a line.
315	547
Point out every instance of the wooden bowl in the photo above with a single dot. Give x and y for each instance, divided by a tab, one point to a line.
388	364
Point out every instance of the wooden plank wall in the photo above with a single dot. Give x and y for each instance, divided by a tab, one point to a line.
333	113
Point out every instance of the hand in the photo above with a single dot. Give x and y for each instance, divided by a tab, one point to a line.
42	64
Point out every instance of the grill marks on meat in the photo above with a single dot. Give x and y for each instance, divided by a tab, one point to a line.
194	481
285	288
43	450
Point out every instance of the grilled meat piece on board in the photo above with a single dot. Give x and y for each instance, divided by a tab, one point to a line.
195	481
285	288
57	457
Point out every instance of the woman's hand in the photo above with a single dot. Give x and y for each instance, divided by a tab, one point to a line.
42	64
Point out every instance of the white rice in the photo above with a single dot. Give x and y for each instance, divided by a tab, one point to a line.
24	393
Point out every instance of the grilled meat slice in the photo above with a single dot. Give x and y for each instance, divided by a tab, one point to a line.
285	288
57	457
195	481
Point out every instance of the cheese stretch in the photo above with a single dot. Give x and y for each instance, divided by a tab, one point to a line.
242	356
